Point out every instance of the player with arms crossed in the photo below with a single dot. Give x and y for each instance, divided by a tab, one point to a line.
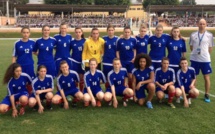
118	80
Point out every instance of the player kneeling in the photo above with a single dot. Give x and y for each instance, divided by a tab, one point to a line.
43	85
143	78
17	91
186	77
92	88
66	83
118	80
164	80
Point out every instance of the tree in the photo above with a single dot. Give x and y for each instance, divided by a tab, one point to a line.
160	2
188	2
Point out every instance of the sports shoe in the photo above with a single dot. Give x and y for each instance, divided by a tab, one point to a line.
207	98
178	100
149	104
124	104
189	101
110	103
69	98
22	111
98	103
171	105
166	96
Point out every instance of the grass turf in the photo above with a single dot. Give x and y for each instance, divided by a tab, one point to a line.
199	118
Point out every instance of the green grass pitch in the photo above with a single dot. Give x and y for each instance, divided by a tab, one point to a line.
199	118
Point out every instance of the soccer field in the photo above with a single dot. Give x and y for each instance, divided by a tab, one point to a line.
199	118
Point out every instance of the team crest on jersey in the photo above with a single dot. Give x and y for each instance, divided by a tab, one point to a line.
63	81
98	78
143	44
168	77
23	83
138	75
189	76
19	87
147	75
74	44
114	43
163	40
41	44
47	84
69	41
123	77
180	45
138	41
131	44
146	40
59	40
14	85
155	41
69	85
122	43
31	46
51	44
21	47
72	79
90	80
39	87
170	43
114	78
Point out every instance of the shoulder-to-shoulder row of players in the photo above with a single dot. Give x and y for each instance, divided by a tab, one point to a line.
127	68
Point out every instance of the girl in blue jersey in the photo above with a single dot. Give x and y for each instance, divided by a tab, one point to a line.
176	47
63	47
77	47
165	80
93	89
43	85
44	51
158	44
22	54
186	77
17	93
66	83
143	78
109	51
142	40
126	52
118	80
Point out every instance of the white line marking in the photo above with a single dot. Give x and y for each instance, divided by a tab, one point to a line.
209	94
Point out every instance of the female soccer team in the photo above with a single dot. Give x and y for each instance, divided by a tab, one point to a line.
128	68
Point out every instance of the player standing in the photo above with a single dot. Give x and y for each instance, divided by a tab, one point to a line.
66	83
158	44
118	80
44	51
16	85
126	52
93	48
77	47
92	79
109	51
186	78
22	52
142	40
165	80
176	48
201	43
43	85
63	47
143	78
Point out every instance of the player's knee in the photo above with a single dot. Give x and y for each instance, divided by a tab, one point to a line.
171	89
107	97
160	95
141	102
151	87
100	96
32	102
3	109
86	97
23	100
49	95
55	100
178	92
80	96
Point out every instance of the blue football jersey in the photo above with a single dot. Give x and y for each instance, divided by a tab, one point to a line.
117	79
23	52
164	77
142	44
62	46
185	78
126	47
77	47
44	47
109	49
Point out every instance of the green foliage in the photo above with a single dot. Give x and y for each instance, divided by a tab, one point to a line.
160	2
188	2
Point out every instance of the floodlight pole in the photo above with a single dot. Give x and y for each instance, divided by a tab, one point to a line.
7	11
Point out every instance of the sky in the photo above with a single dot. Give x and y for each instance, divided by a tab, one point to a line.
205	1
